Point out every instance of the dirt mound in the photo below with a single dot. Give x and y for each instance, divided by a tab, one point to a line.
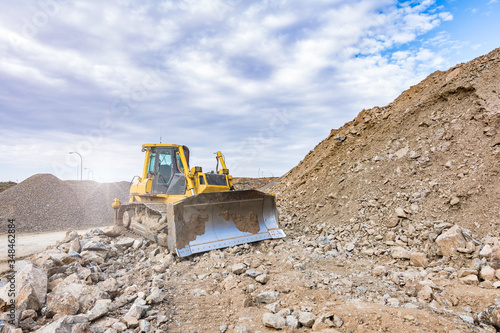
432	155
43	202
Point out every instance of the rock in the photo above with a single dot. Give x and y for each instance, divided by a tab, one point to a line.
75	246
451	240
486	251
100	309
124	243
440	227
93	257
110	286
379	270
486	284
230	282
419	259
392	222
454	201
467	319
31	283
299	266
137	310
497	274
273	307
495	257
496	284
273	321
400	212
119	326
487	273
144	325
425	294
66	324
490	316
62	303
263	279
466	271
253	273
85	294
398	252
349	247
155	296
267	297
95	245
26	299
326	321
284	312
470	279
131	322
291	321
114	231
239	268
306	318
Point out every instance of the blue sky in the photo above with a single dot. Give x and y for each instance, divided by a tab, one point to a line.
263	81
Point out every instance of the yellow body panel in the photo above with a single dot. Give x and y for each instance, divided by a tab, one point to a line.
141	189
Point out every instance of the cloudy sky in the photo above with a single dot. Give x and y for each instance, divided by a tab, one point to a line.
263	81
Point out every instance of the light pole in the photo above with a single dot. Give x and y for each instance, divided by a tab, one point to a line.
91	171
81	163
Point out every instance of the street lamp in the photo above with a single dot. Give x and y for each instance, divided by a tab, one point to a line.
91	171
81	163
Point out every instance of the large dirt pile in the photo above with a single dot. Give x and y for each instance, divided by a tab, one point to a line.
430	157
43	202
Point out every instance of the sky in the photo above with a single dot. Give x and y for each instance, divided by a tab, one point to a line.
262	81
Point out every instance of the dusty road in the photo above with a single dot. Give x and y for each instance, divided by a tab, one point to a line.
29	243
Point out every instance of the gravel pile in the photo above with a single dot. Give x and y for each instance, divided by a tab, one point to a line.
43	202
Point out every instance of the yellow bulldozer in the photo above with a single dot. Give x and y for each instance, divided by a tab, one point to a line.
190	211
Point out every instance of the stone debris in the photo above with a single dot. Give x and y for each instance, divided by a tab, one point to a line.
273	321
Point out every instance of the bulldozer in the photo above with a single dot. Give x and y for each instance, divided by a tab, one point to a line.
189	211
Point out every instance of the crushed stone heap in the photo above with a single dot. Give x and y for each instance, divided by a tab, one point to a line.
43	202
429	157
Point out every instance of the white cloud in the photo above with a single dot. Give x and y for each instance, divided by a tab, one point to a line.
213	72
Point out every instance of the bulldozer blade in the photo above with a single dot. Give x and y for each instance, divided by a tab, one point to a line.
210	221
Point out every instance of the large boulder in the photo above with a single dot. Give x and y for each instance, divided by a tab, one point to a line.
450	241
31	283
490	316
62	303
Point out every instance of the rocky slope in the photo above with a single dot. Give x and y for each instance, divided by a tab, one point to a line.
433	153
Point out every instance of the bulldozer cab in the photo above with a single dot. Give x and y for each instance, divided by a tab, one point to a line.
166	170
